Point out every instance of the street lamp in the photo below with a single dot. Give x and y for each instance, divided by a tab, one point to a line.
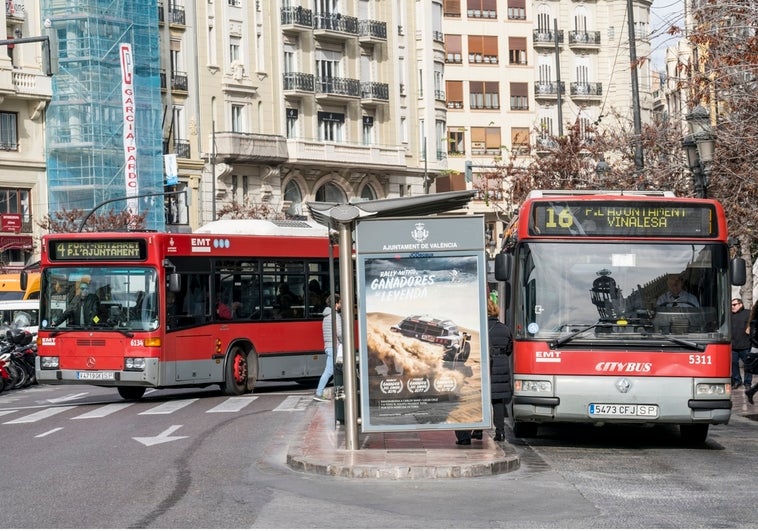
699	146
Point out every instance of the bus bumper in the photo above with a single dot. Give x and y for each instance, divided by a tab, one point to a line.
149	377
576	399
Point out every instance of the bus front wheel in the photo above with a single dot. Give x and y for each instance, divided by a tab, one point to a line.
235	379
131	393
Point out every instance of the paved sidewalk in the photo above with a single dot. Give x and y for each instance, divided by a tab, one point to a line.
319	448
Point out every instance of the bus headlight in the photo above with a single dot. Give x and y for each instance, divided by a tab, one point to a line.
708	390
533	386
48	362
134	364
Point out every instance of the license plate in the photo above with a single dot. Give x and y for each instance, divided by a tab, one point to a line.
84	375
623	410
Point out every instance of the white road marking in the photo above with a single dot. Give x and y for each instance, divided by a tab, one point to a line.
103	411
232	405
294	403
39	415
169	407
47	433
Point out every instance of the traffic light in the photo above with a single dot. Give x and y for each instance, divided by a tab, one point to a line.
469	171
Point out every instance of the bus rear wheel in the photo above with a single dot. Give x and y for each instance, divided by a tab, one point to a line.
131	393
693	433
235	379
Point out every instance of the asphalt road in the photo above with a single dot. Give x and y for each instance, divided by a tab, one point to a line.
81	457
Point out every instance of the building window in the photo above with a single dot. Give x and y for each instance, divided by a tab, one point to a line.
453	53
368	130
8	131
519	96
517	50
332	193
330	126
482	49
293	194
234	49
368	193
520	141
517	9
482	8
485	141
484	94
16	201
238	118
452	8
454	94
292	116
456	142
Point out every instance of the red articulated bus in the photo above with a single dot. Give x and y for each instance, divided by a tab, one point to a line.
233	303
599	336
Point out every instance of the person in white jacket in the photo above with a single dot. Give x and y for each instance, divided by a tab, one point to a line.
329	345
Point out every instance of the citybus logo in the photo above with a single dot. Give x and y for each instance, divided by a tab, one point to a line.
620	366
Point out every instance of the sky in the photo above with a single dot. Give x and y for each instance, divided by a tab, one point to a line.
664	14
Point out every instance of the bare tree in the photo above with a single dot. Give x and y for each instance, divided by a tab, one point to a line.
71	220
249	210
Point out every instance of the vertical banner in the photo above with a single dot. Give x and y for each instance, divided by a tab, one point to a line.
130	136
171	168
422	319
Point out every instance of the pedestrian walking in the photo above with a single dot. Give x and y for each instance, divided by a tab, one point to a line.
329	342
740	343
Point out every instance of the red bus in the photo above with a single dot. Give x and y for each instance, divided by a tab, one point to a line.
597	339
235	302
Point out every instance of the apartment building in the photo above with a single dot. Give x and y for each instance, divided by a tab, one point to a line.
25	92
518	72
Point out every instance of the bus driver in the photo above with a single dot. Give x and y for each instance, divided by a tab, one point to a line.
83	308
676	296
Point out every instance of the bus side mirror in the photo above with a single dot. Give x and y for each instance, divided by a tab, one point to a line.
24	280
502	267
174	282
737	272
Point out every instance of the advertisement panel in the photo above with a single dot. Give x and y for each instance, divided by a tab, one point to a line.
422	319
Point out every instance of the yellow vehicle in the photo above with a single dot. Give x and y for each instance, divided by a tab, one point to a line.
10	287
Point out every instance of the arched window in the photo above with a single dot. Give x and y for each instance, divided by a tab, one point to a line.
293	194
368	194
331	193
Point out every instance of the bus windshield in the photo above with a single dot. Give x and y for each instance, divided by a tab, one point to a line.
119	298
603	291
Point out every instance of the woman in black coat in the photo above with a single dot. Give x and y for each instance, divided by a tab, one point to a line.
501	390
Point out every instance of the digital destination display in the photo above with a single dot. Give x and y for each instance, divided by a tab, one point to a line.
615	218
98	250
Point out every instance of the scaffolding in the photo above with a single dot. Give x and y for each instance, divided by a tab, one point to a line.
85	119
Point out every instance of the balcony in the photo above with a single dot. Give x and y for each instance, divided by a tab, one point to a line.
586	91
543	39
338	88
176	15
548	90
179	81
299	82
345	154
250	147
372	31
587	40
335	26
28	85
296	19
375	92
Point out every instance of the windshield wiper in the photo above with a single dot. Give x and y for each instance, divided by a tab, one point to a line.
685	343
565	339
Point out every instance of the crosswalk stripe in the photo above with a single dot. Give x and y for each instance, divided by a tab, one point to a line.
232	405
103	411
169	407
39	415
293	403
8	412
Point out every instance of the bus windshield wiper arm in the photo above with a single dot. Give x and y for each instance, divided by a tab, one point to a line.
565	339
685	343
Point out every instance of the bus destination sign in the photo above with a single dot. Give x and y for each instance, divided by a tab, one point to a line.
644	219
98	250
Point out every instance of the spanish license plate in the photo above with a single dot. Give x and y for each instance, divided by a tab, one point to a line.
623	410
95	375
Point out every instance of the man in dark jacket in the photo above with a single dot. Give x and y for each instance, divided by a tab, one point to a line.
501	390
740	343
83	309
